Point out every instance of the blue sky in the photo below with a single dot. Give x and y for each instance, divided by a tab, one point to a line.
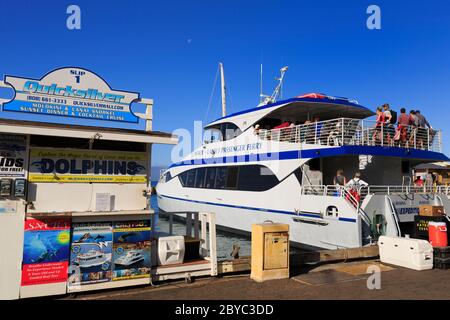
169	50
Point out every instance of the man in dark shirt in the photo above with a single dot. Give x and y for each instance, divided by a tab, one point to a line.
422	132
423	123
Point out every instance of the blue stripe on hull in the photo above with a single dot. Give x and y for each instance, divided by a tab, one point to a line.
319	153
309	215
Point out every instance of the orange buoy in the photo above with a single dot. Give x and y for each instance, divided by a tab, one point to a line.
437	234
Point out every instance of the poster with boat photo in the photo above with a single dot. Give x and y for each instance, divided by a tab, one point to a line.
46	251
132	249
90	254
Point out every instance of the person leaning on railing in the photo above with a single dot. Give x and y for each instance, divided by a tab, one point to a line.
423	128
414	123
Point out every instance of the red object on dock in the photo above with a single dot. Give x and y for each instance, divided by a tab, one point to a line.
437	234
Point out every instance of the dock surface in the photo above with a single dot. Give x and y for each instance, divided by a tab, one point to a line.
338	281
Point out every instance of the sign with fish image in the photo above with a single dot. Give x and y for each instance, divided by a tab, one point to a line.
132	249
90	253
87	166
46	251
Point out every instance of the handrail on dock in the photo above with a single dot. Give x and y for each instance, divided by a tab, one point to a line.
356	132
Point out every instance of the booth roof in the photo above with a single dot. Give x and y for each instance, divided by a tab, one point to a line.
88	132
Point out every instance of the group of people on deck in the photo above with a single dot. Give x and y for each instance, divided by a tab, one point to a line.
355	182
309	131
411	128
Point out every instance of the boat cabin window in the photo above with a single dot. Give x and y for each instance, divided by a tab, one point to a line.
220	178
232	177
221	132
166	177
243	178
210	178
200	178
190	178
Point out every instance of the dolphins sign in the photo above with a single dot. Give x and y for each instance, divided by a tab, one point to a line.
87	166
71	92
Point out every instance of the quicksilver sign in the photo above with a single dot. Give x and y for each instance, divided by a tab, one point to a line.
71	92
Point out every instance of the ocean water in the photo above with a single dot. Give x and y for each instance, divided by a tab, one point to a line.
225	240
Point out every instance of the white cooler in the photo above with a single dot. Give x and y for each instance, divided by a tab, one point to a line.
409	253
170	250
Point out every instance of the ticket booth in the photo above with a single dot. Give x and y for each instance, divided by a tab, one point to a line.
75	172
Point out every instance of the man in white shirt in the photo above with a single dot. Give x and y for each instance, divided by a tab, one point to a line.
357	182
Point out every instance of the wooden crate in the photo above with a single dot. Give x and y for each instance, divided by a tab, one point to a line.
431	211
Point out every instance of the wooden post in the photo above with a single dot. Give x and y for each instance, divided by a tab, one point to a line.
189	224
212	243
203	244
196	225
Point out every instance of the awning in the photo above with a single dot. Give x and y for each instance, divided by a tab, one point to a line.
85	132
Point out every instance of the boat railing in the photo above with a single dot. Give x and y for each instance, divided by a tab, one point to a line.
355	132
347	193
363	191
444	190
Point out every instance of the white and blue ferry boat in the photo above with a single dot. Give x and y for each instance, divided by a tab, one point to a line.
252	169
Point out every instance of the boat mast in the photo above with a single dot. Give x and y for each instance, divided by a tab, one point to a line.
273	98
222	83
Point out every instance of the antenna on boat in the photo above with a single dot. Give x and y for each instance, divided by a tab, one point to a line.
264	100
262	96
222	85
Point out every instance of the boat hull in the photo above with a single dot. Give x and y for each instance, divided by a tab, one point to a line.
307	230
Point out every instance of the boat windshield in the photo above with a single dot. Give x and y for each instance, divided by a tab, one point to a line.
221	132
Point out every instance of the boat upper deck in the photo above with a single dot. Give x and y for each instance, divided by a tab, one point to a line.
356	132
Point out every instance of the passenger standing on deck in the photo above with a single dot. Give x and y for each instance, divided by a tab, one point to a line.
339	179
357	182
378	126
389	121
318	129
422	121
404	121
414	123
429	180
418	182
355	186
423	128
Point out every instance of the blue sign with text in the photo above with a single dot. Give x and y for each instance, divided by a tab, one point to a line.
74	93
